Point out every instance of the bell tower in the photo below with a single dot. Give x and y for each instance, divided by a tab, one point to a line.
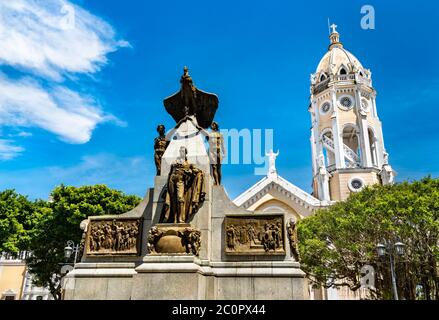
347	142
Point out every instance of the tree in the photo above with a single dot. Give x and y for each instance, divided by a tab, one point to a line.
337	242
60	220
17	220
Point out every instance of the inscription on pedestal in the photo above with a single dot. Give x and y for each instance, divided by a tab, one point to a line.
254	235
114	237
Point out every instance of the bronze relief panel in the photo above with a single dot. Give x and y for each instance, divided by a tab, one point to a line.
254	235
114	237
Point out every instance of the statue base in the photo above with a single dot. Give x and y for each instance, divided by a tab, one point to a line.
226	252
188	278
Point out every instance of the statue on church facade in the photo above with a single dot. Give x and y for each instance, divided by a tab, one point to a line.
272	162
387	174
160	145
190	101
216	152
184	191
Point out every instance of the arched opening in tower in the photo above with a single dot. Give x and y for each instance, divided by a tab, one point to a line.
351	146
328	150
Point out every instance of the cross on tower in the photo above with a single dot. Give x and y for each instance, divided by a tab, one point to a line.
333	27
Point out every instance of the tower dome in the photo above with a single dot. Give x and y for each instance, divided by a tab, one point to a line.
338	60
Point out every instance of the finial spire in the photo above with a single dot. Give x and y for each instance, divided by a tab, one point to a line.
334	37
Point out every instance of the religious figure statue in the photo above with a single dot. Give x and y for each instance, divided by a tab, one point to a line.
322	167
190	101
216	152
272	162
292	236
160	145
184	191
387	174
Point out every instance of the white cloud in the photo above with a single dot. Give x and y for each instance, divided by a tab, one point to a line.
54	37
63	112
8	150
52	40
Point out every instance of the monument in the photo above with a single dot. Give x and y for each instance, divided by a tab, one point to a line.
187	239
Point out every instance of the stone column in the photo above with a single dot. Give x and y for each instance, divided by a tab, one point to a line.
338	141
364	140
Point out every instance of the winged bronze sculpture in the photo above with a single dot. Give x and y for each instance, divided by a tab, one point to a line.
191	101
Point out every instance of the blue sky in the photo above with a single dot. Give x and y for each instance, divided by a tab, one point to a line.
80	106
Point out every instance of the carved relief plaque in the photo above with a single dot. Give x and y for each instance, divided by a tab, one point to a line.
254	235
114	237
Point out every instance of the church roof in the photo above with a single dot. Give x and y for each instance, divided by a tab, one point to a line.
274	181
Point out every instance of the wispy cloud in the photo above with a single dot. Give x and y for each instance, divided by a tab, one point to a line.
46	42
25	103
8	150
54	37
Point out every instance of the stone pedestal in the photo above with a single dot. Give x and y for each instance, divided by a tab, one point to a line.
211	273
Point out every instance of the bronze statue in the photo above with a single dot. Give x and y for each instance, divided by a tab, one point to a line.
292	236
160	145
184	191
190	101
216	152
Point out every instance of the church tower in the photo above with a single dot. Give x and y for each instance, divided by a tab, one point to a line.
347	143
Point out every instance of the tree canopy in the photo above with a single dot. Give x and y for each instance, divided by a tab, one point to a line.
17	221
337	242
59	222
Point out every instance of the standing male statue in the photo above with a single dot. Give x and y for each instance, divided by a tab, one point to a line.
184	191
216	152
160	145
292	236
191	101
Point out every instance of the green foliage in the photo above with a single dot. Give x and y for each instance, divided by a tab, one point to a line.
337	242
17	221
60	222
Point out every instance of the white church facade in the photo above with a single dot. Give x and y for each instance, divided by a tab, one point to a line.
347	146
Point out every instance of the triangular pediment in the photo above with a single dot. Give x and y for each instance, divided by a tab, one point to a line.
279	187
